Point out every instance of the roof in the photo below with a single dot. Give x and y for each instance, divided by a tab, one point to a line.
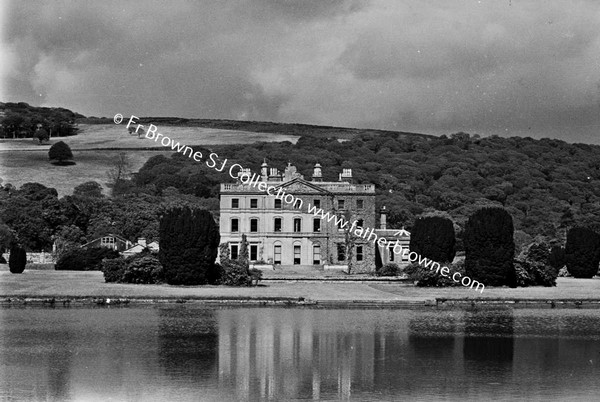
106	235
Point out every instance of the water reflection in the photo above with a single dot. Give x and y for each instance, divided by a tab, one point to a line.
187	353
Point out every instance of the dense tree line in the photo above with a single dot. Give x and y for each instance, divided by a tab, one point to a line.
21	120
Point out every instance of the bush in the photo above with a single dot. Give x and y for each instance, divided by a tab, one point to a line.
189	240
582	252
489	247
556	258
60	152
235	272
82	259
2	259
532	266
255	275
17	260
113	269
564	273
389	269
433	237
426	277
146	269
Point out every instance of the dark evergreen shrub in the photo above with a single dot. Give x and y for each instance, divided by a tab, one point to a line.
556	258
489	247
189	241
82	259
426	277
582	252
60	152
146	269
113	269
389	269
17	260
433	237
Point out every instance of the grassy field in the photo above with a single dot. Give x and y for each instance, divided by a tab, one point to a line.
96	147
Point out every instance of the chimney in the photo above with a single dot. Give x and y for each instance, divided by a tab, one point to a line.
264	170
142	241
346	175
383	218
317	174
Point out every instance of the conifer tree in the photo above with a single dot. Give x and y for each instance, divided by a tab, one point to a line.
189	242
17	260
433	237
582	252
490	248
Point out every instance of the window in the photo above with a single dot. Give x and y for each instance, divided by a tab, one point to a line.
253	252
277	254
316	225
341	204
317	203
254	225
277	225
341	252
235	225
277	203
108	242
297	225
360	204
340	222
316	254
235	203
297	259
234	251
391	253
359	253
360	223
253	202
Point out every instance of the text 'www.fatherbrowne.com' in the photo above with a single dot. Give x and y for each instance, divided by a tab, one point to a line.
237	171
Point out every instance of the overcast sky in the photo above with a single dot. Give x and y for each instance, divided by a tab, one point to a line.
506	67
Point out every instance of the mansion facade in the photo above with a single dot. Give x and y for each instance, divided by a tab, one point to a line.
287	234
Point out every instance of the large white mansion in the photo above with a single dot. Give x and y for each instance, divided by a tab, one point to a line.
281	233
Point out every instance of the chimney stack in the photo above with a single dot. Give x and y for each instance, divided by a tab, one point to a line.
317	174
383	218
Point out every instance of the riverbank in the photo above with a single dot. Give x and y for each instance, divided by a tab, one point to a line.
70	287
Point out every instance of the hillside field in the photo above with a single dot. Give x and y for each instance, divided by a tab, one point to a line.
97	145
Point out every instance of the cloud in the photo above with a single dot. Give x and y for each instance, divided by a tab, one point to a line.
492	67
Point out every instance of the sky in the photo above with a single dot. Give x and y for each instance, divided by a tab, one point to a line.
504	67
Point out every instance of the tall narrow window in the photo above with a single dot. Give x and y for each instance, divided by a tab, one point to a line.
316	254
297	225
253	252
360	204
341	204
360	223
235	203
341	252
277	225
235	225
254	225
391	253
277	203
316	225
254	203
234	251
317	203
340	222
359	253
297	258
277	254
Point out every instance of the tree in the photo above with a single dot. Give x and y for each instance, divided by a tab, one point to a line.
244	255
41	135
17	260
489	247
433	237
189	241
60	152
234	272
119	175
582	252
89	189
